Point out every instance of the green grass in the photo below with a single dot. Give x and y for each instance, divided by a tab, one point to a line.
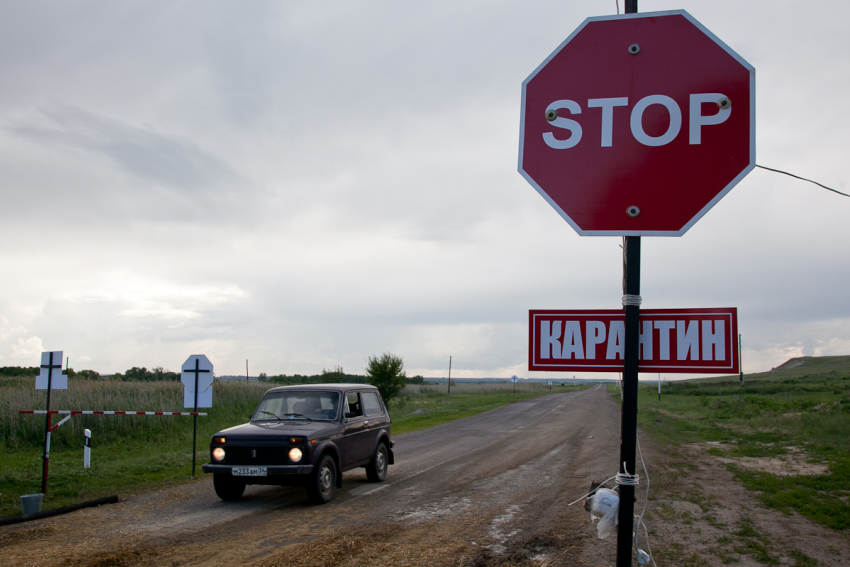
803	408
129	453
132	454
116	469
434	407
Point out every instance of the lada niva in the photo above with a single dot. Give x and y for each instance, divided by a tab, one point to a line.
304	436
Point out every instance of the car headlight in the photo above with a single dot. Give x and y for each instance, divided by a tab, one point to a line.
218	454
295	455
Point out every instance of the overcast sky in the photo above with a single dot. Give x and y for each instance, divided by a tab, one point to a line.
306	184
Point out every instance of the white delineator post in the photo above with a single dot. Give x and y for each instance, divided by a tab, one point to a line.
87	449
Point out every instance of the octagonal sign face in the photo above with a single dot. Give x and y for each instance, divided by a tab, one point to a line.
638	124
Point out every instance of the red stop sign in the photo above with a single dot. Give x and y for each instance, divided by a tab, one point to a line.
638	124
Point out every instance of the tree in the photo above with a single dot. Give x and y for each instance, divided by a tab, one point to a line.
88	375
387	374
337	375
137	374
160	373
19	371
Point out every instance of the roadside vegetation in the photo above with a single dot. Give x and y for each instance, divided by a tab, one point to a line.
783	433
386	372
131	454
419	407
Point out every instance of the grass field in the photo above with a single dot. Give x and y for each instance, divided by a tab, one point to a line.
425	406
800	412
131	454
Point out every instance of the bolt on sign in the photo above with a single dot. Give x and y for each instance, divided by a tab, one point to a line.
696	341
637	125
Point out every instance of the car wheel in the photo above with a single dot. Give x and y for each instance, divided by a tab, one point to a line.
227	487
376	471
322	482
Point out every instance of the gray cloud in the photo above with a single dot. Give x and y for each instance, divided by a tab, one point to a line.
308	184
156	158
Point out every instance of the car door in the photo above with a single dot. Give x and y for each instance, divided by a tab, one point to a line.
375	419
354	424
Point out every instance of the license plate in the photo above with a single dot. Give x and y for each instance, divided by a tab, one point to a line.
249	471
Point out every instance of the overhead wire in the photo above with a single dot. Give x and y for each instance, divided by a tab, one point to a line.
803	179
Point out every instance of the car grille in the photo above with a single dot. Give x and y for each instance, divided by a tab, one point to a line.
265	456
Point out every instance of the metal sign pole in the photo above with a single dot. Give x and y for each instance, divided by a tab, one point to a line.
628	416
47	419
195	417
628	423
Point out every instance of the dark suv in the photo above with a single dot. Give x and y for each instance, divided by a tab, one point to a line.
304	436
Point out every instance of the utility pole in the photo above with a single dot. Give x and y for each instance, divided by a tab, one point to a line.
741	358
450	375
247	376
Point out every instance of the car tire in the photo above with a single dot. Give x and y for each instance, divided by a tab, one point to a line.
376	471
320	487
228	488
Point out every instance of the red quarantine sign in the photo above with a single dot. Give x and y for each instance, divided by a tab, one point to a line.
687	341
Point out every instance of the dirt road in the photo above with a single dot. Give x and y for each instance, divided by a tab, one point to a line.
469	489
488	490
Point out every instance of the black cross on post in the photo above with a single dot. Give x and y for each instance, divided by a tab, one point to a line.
197	371
46	458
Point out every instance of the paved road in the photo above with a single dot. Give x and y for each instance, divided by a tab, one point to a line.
485	490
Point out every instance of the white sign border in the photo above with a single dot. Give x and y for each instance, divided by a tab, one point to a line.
711	203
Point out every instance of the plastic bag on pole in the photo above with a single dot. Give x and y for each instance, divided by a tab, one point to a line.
604	505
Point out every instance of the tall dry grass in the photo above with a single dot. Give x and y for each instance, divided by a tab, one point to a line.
232	402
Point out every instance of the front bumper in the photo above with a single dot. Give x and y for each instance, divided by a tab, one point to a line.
271	470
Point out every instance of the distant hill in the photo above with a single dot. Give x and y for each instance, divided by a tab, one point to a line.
800	367
816	364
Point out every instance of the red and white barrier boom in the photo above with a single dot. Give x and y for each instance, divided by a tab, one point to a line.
197	377
71	413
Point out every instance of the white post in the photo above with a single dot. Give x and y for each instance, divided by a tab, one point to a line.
659	386
87	450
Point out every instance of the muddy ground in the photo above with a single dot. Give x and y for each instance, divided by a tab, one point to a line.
493	490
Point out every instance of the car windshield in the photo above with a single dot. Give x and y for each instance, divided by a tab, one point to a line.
298	404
